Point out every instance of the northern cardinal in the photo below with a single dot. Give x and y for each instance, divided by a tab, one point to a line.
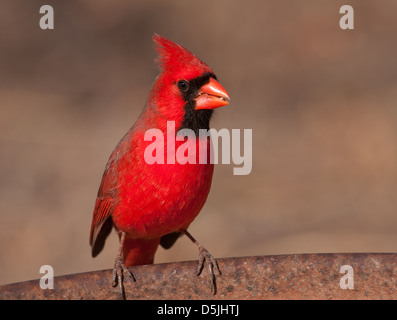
152	204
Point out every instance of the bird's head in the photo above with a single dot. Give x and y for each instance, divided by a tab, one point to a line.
187	90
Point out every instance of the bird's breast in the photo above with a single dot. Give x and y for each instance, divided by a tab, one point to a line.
158	198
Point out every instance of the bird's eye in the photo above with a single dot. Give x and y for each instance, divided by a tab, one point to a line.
183	85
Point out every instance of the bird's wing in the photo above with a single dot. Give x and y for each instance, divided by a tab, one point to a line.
106	200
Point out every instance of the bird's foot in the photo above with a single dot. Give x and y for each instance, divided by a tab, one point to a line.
119	270
206	257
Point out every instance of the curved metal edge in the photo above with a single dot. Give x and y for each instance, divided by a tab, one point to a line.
305	276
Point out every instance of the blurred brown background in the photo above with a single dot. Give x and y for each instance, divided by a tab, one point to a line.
322	103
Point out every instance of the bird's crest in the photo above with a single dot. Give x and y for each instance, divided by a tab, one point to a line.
172	57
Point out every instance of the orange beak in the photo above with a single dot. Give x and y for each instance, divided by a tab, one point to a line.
212	95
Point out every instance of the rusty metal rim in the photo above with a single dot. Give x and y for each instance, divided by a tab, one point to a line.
300	276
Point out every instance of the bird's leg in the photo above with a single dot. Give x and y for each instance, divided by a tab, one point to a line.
205	256
119	268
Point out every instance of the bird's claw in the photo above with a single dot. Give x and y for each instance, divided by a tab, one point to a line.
205	256
119	270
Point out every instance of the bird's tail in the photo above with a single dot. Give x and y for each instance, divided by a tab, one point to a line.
139	251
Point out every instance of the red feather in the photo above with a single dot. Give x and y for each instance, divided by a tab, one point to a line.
150	201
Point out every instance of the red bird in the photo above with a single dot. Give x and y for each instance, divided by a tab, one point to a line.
152	204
